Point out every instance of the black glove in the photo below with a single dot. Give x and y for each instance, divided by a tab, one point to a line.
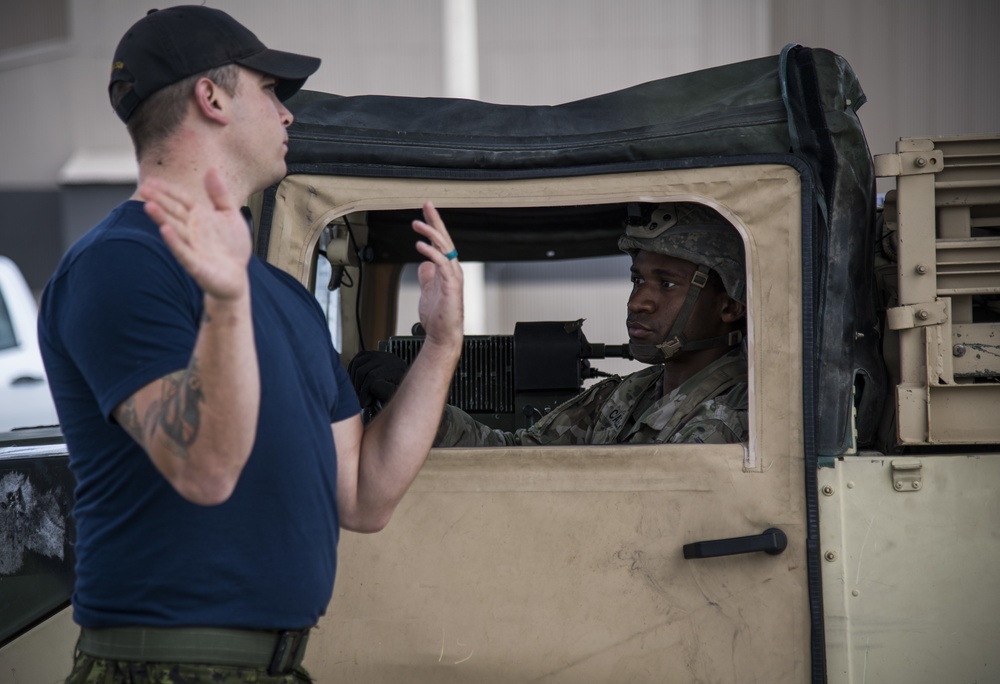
375	376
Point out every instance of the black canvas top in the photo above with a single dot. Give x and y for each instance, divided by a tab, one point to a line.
798	107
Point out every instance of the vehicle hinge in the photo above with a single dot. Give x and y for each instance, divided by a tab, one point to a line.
906	475
917	315
908	163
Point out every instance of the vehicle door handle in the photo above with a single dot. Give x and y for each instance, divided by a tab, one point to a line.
26	380
772	541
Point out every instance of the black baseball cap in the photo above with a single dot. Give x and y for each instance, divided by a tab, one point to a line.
169	45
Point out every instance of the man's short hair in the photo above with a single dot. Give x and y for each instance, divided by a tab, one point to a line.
159	115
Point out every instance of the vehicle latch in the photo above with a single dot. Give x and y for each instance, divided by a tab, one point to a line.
906	476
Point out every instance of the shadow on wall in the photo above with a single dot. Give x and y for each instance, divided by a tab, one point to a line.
39	225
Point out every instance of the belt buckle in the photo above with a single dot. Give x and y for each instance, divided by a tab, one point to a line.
286	648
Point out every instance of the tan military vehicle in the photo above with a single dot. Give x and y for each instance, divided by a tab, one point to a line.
852	539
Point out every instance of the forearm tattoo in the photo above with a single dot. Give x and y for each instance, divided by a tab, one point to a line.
176	413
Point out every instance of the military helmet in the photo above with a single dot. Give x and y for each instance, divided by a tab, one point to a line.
689	231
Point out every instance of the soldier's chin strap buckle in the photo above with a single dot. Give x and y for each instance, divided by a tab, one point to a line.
662	352
676	344
670	347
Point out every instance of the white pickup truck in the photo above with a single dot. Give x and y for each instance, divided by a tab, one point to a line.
25	400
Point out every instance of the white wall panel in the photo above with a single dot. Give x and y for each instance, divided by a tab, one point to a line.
552	51
389	47
34	135
928	67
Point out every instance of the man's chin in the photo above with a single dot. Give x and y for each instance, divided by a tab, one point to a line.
646	353
275	177
280	172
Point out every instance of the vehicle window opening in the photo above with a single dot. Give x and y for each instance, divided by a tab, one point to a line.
557	292
331	275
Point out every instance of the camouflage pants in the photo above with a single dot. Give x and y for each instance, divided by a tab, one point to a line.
90	670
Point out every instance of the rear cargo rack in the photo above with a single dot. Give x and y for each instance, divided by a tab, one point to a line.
943	219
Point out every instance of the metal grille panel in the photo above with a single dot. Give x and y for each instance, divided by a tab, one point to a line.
484	379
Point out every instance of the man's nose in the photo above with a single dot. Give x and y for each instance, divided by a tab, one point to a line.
638	301
286	115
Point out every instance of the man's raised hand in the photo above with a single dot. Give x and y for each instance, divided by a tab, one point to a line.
209	239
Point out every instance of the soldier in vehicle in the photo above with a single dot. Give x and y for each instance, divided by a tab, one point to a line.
686	317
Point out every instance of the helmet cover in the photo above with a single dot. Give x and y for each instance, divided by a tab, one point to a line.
692	232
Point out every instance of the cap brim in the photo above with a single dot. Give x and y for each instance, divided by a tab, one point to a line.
290	69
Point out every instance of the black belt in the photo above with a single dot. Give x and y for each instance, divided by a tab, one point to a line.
279	652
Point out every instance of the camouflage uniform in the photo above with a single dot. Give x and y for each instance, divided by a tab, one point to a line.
90	670
711	408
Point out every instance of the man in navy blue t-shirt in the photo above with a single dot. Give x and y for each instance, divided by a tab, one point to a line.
213	432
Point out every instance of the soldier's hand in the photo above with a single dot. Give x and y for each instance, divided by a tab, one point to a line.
376	375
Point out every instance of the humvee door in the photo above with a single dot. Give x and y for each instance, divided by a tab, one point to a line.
568	563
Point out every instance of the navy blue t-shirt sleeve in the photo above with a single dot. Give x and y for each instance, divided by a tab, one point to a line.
347	399
134	317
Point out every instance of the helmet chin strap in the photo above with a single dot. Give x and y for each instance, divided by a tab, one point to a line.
676	342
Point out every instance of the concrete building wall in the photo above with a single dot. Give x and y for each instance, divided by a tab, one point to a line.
927	66
562	50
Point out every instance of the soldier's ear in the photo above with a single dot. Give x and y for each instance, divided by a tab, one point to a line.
732	310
